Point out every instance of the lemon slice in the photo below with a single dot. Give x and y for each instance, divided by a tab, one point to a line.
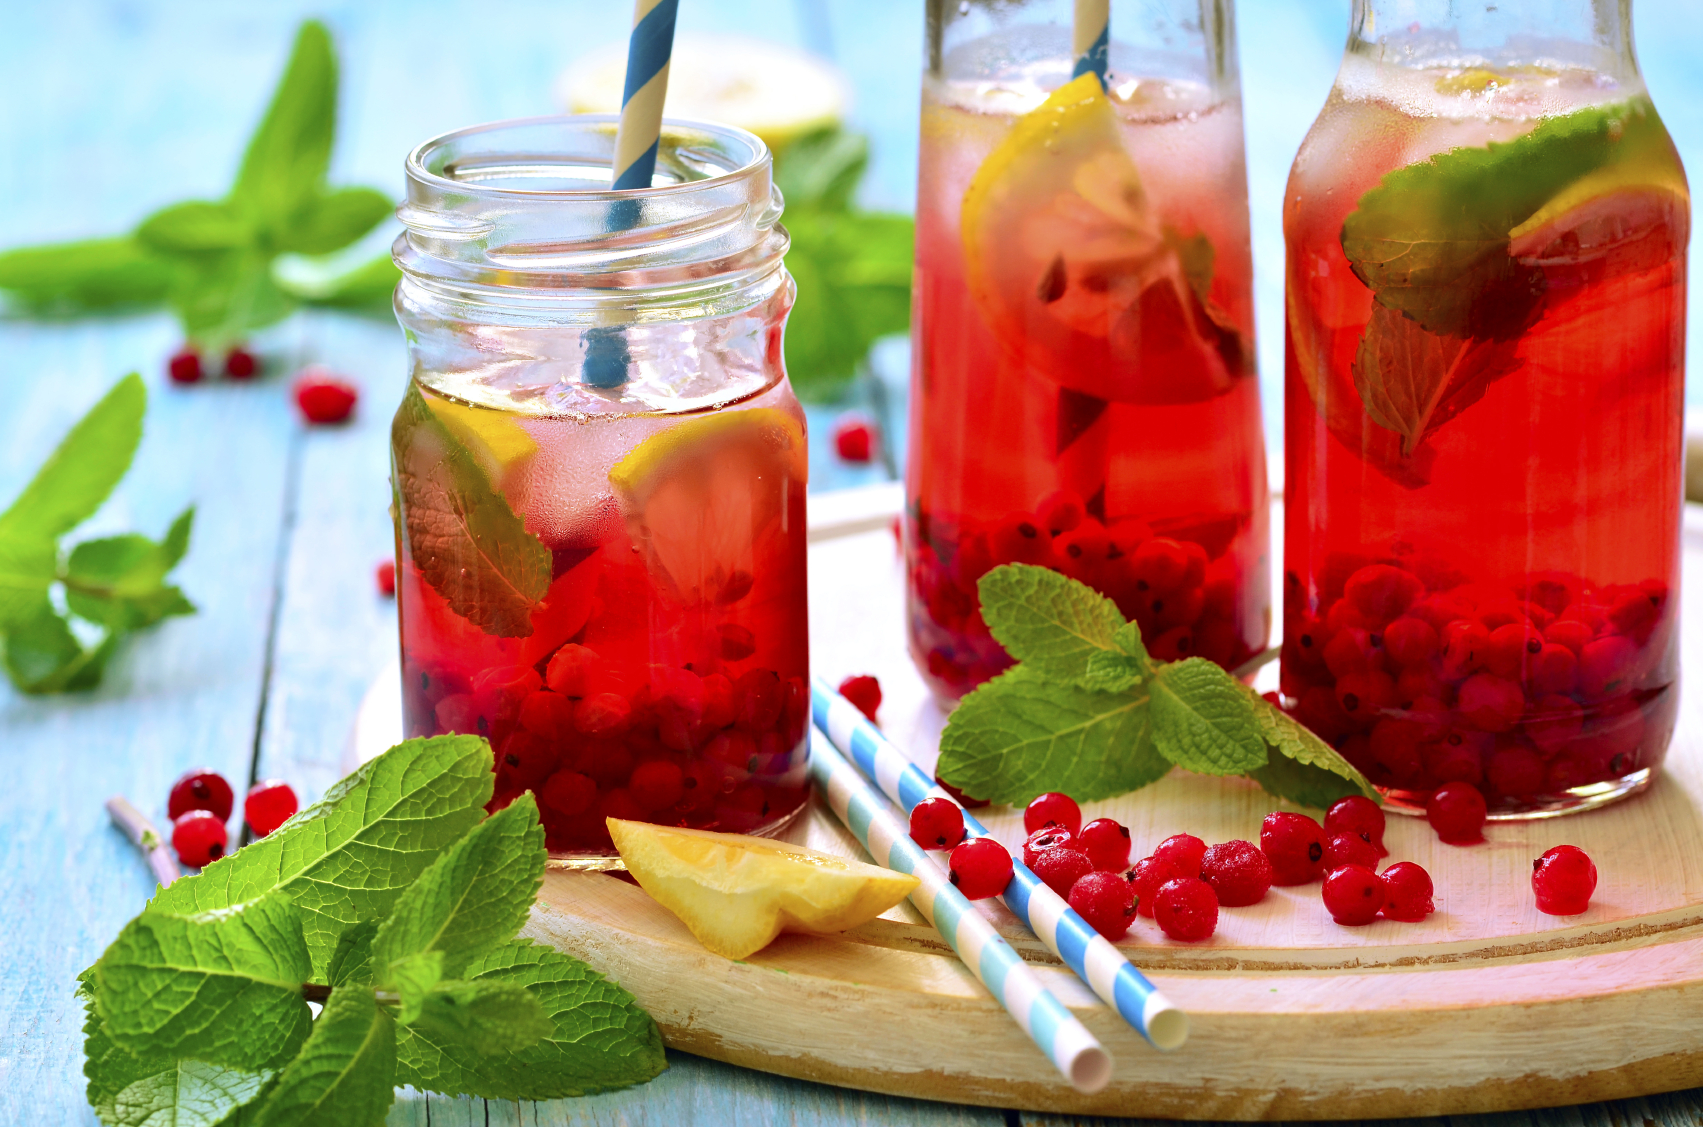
495	438
701	497
1074	272
736	893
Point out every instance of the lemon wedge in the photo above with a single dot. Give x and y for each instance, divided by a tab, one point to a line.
702	497
736	893
495	438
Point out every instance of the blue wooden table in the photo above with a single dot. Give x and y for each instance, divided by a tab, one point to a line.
114	108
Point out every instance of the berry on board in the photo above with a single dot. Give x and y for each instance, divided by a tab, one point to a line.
863	691
854	439
1457	812
184	366
1295	846
200	789
1184	851
269	805
1350	849
322	397
980	868
241	364
937	824
1187	909
1045	838
1145	877
1106	841
1238	873
385	575
1106	901
198	838
1353	895
1563	879
1354	815
1407	892
1054	809
1060	868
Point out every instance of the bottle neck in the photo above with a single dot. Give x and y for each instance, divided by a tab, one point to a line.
1593	34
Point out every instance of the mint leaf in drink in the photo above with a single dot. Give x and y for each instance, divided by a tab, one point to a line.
344	1075
91	276
83	470
223	987
600	1039
1412	381
1307	770
1049	622
1021	734
347	858
1201	719
460	531
484	1018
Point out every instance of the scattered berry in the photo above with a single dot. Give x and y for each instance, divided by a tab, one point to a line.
1357	814
937	824
1563	879
199	838
1052	809
241	364
1238	873
1349	849
980	868
1457	812
1353	895
854	439
1295	846
269	805
322	397
1144	879
386	576
200	789
184	366
863	691
1045	838
1184	851
959	796
1061	868
1407	892
1106	901
1107	844
1187	909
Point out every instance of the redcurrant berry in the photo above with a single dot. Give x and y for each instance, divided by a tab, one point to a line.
1106	901
200	789
567	793
1045	838
1605	664
601	714
1238	873
385	575
1491	703
1407	892
937	823
1410	641
759	698
574	671
199	838
1052	809
980	868
1060	511
526	759
1357	814
1353	895
1516	771
1457	812
1382	592
322	397
1563	879
1145	877
1185	853
854	439
241	364
1350	849
863	691
657	785
269	805
184	365
1107	844
1295	846
1061	868
1187	909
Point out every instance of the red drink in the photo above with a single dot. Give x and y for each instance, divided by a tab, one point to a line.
1485	391
1083	395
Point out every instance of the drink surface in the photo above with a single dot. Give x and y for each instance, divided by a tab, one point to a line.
1486	294
1083	385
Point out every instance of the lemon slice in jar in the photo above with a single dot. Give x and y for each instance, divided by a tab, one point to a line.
1074	272
736	893
701	496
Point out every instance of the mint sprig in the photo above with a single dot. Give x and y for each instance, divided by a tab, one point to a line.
396	902
1089	712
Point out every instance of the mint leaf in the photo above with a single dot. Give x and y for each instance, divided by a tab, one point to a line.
347	858
220	297
1049	622
345	1074
601	1039
1111	672
821	169
335	219
28	567
44	656
195	225
224	987
853	274
352	958
118	581
485	1018
82	471
90	276
473	898
187	1093
1412	381
1201	719
289	154
368	287
1020	735
459	531
412	977
1307	770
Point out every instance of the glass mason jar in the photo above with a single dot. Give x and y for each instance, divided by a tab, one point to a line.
1083	390
599	472
1486	304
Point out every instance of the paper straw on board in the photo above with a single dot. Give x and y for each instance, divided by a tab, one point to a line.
1090	38
648	51
1066	1041
143	836
1066	934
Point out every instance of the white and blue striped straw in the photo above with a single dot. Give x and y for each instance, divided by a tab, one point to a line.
1091	38
646	88
1065	933
1074	1051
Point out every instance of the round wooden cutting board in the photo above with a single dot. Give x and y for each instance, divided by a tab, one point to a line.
1486	1006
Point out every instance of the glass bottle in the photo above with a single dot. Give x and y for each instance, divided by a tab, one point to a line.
1486	235
599	471
1083	390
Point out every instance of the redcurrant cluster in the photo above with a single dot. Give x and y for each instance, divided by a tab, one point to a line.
185	365
200	804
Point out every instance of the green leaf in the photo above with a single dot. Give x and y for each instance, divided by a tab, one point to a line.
1413	381
44	656
369	287
474	897
94	275
1021	735
334	220
1049	622
186	1093
1201	719
289	153
221	298
484	1018
347	858
118	581
352	959
28	566
195	226
1109	671
853	273
601	1039
345	1074
821	169
462	535
413	977
223	986
1307	770
79	475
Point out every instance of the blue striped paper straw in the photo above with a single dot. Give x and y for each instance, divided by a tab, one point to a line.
1073	1050
1091	38
648	51
1066	934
